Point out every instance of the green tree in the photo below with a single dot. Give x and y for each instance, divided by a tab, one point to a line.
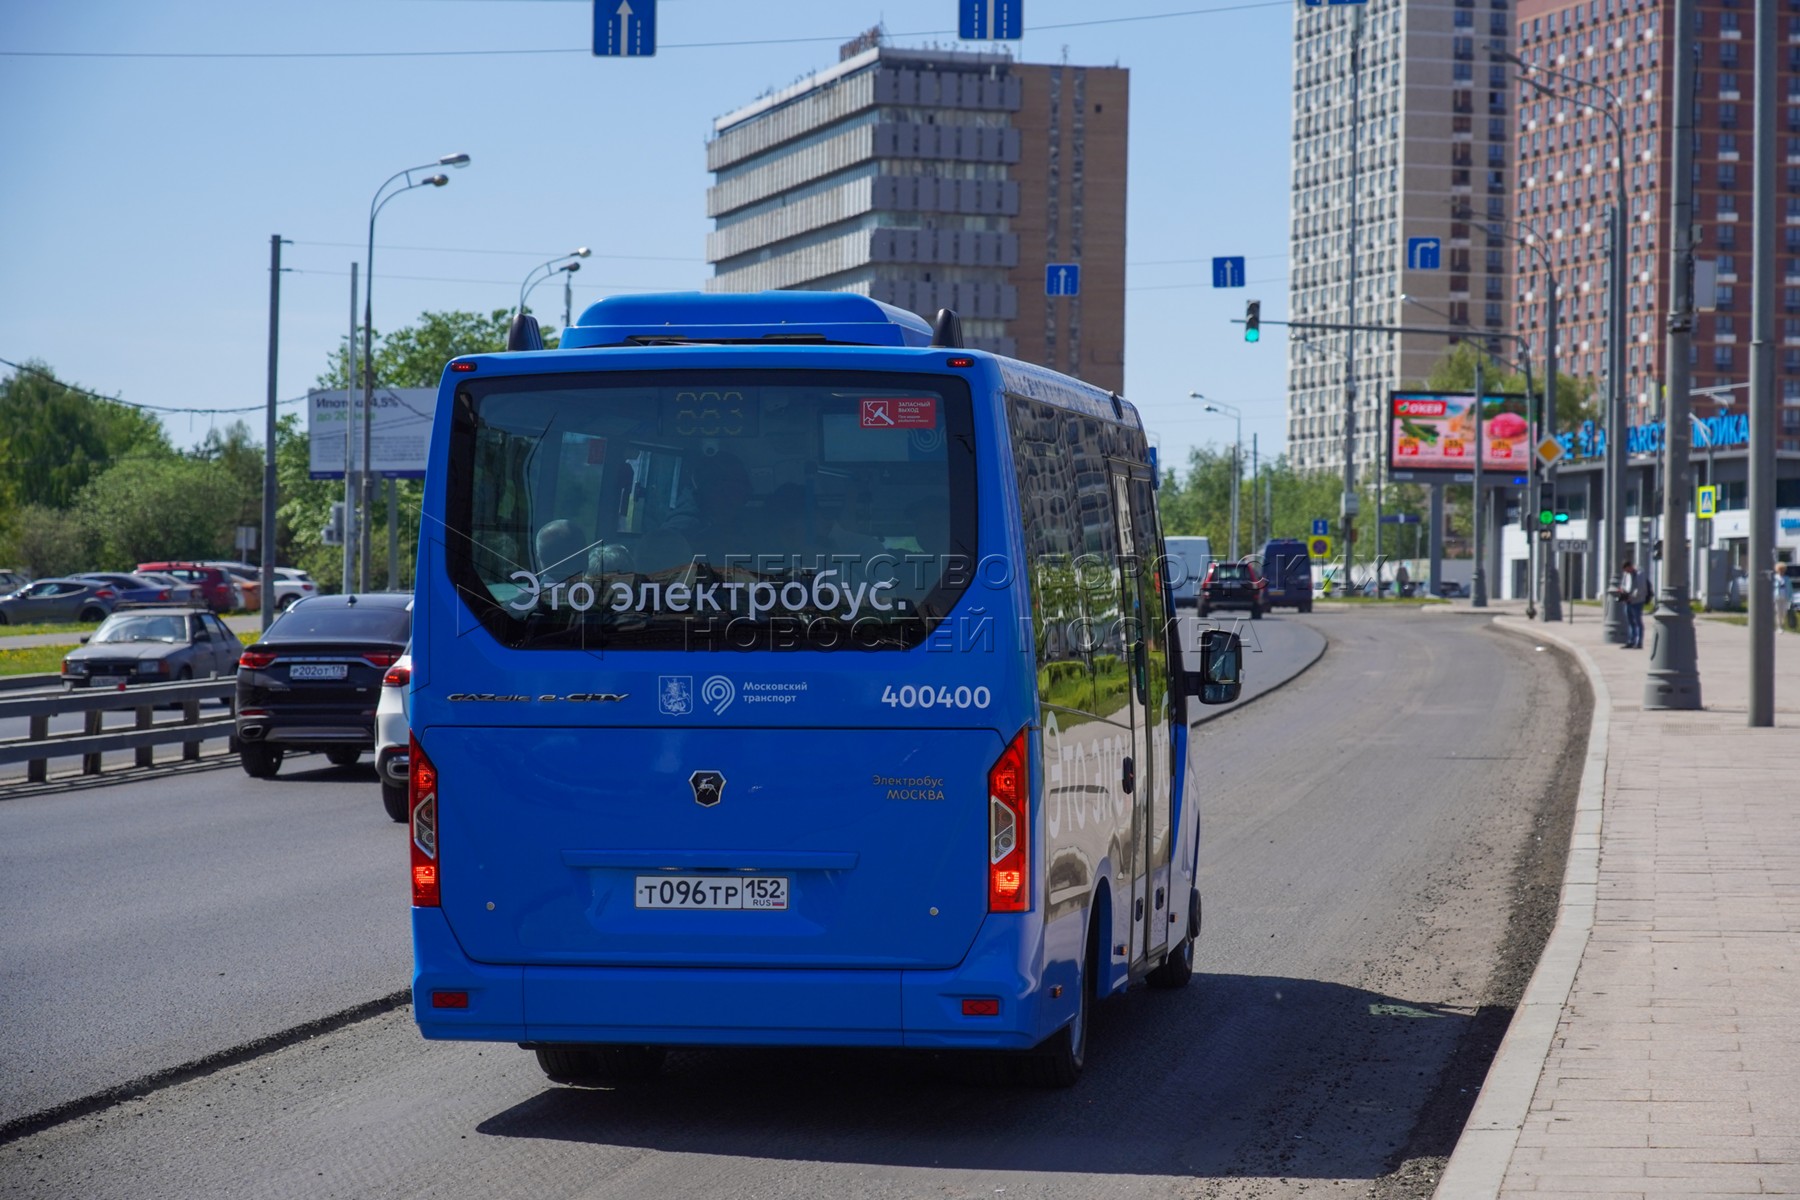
160	508
1200	502
54	439
46	541
415	356
1455	372
241	457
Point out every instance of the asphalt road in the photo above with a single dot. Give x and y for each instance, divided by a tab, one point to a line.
1367	833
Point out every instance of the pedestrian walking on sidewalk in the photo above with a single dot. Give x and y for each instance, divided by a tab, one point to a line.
1784	597
1632	592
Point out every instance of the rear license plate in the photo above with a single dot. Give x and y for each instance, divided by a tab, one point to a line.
318	671
107	681
711	892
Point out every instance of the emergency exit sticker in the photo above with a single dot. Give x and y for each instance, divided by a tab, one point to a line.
900	412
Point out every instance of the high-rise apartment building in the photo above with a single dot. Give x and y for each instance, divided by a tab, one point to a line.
1401	131
936	179
1619	53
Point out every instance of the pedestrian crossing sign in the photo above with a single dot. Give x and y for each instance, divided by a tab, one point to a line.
1706	502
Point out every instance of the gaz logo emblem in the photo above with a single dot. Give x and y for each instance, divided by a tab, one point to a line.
709	787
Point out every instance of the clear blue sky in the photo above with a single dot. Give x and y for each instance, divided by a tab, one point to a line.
137	195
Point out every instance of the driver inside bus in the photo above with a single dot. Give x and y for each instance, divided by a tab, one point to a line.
562	552
713	517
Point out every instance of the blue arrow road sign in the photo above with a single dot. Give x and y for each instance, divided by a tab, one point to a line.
624	28
1321	527
1062	279
1228	272
990	20
1423	254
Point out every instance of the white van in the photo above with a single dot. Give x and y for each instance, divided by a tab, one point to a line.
1191	556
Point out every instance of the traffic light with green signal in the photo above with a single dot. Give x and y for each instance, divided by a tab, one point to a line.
1253	320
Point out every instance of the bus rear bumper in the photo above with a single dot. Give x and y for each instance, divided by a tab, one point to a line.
713	1006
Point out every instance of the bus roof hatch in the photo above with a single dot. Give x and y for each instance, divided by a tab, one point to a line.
839	318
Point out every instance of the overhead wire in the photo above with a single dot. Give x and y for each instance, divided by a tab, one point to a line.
156	408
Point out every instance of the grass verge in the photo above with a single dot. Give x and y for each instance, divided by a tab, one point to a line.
32	660
74	627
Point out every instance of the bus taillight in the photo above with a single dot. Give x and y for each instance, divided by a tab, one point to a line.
1009	819
424	824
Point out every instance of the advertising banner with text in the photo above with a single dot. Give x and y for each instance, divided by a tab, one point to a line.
399	433
1432	434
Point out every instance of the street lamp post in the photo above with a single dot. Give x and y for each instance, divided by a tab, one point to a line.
565	264
1613	527
381	197
1237	454
1544	489
1673	680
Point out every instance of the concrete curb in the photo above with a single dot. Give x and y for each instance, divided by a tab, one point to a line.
1477	1167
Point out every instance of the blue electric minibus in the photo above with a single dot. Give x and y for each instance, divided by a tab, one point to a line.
785	673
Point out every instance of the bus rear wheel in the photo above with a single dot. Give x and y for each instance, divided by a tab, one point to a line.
1058	1062
595	1065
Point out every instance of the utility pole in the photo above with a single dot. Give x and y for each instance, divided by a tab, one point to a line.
1552	584
350	391
1437	535
1347	509
268	496
1762	386
1673	681
1257	533
1612	508
393	499
1478	597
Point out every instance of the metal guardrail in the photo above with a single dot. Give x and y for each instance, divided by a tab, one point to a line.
40	746
20	683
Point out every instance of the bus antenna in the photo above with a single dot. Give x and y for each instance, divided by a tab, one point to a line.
946	331
524	334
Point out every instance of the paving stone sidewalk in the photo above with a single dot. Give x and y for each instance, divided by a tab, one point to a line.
1674	1066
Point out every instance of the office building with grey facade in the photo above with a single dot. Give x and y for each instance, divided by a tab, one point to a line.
933	179
1411	143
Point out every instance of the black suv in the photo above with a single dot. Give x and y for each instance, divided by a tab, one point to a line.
1234	585
313	681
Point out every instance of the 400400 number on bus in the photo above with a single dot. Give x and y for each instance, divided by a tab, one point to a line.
908	696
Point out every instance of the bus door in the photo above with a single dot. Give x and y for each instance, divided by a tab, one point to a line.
1141	601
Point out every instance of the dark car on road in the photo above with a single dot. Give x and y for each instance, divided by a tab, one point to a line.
314	679
1287	566
152	645
1233	585
58	600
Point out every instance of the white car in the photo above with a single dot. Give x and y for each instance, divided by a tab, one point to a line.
393	737
291	584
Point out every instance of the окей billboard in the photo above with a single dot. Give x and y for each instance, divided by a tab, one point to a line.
1433	433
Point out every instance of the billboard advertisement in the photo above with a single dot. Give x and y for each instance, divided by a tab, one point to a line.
1432	434
399	434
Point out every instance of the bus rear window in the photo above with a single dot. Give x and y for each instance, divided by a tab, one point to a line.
703	510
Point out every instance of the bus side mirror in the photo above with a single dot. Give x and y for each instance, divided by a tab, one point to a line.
1220	677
